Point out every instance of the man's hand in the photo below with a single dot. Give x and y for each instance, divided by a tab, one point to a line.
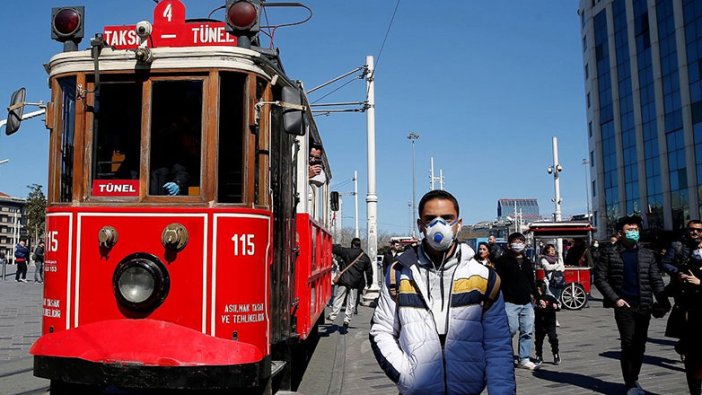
621	303
314	170
172	188
689	278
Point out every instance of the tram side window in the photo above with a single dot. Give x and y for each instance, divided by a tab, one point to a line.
176	136
68	119
117	132
231	133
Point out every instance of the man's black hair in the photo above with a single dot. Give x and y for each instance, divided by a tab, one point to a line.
316	146
629	220
356	242
437	194
515	236
694	222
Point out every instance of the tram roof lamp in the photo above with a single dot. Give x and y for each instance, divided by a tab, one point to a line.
67	26
242	16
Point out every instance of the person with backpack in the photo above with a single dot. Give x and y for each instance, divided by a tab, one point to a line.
440	325
354	264
21	257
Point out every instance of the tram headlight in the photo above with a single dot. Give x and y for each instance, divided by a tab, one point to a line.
141	282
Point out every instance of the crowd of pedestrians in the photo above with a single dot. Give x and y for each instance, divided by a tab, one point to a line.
429	335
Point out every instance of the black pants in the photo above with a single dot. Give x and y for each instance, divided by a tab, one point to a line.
541	332
21	270
632	323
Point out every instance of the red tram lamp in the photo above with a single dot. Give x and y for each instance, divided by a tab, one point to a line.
242	17
67	26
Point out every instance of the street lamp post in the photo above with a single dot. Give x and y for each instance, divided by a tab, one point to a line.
412	136
587	187
556	169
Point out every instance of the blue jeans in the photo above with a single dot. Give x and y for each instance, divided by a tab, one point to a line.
521	318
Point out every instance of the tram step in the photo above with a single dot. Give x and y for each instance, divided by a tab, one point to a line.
277	367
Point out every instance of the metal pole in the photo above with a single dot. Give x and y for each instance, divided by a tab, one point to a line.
441	179
355	196
371	197
412	136
411	218
431	175
556	169
587	187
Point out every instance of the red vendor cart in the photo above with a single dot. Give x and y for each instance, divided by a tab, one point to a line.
577	278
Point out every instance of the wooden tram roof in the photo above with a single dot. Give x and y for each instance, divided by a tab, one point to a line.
561	229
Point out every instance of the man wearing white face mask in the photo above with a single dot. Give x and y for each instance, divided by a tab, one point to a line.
519	288
440	325
627	275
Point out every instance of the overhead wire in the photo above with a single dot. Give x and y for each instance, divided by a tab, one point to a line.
380	53
382	46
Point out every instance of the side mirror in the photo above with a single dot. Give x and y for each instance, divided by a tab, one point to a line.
15	111
334	201
293	119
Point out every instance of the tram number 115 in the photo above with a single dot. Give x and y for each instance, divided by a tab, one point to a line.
244	245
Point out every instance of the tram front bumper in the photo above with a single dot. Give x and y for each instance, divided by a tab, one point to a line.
147	354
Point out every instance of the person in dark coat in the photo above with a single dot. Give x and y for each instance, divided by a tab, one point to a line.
516	271
628	278
683	262
391	255
545	323
352	278
39	262
495	249
21	259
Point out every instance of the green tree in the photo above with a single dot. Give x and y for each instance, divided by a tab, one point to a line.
35	210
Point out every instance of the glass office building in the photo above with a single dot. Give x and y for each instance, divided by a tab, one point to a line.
642	63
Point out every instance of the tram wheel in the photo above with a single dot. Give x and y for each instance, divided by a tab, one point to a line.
573	297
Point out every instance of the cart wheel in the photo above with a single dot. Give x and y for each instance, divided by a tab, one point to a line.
573	296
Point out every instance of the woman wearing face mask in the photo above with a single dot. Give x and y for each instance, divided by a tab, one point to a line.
553	269
483	255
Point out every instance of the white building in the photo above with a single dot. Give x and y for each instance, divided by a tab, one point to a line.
11	222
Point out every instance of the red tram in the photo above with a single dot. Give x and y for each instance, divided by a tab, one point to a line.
185	247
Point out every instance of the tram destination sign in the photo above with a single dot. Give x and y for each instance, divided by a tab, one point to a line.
170	29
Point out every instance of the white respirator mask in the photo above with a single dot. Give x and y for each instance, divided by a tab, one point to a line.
439	234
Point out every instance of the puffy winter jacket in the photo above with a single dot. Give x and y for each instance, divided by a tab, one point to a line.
609	276
477	349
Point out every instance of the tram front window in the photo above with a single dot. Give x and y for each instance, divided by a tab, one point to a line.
117	132
176	130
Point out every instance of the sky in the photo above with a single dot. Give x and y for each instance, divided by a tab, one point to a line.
485	84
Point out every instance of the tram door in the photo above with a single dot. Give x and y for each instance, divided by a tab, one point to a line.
283	184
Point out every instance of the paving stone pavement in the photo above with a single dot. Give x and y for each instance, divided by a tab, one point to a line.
20	314
343	361
589	345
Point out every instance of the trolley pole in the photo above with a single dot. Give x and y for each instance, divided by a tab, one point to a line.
373	291
355	197
555	169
